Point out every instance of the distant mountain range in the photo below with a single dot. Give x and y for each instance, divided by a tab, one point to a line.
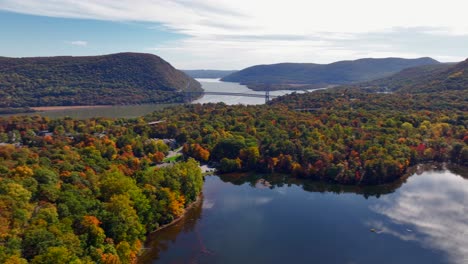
215	74
309	75
123	78
429	78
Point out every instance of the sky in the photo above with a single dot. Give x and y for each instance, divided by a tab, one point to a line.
234	34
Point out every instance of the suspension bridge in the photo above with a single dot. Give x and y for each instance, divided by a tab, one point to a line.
189	95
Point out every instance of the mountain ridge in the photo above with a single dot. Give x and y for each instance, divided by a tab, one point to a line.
312	74
121	78
423	79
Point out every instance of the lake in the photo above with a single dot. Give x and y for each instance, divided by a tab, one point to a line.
131	111
270	219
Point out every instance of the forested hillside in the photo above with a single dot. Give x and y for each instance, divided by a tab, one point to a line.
432	78
124	78
304	75
86	191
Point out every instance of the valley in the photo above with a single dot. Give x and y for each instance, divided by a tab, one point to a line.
93	183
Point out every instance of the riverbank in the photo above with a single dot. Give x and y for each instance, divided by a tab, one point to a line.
70	107
163	227
186	209
12	111
93	111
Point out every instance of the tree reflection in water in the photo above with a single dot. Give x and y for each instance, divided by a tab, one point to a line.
159	242
421	218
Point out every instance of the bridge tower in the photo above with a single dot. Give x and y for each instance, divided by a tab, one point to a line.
267	95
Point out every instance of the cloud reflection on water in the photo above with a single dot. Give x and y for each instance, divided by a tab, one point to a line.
435	206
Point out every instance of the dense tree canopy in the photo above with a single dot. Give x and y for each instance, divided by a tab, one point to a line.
123	78
338	135
87	193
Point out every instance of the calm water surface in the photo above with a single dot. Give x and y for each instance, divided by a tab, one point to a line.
215	85
243	219
131	111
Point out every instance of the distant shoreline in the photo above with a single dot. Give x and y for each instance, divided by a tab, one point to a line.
288	87
57	108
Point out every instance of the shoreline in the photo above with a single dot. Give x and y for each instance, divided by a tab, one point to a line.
186	209
173	222
71	107
58	108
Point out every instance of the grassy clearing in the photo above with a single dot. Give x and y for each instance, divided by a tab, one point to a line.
173	158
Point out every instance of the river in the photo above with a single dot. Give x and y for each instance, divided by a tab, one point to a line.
131	111
250	219
215	85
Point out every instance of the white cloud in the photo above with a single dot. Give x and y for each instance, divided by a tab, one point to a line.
80	43
243	32
262	16
435	206
262	200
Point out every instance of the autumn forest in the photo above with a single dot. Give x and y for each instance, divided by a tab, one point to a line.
86	191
